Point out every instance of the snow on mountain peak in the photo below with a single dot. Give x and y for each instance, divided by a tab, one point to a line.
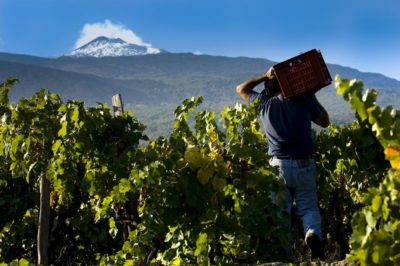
103	46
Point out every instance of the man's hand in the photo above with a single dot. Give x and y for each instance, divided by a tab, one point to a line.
244	89
270	74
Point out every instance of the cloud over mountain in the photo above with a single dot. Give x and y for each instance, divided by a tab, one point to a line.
111	30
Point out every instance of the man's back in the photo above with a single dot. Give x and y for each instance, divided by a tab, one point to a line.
287	124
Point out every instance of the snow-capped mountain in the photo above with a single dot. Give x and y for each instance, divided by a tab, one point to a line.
103	46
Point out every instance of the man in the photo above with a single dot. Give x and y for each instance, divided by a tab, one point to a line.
287	125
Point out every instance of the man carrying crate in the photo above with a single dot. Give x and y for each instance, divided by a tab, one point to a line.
287	125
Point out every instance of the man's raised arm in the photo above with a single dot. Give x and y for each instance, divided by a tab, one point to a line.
245	88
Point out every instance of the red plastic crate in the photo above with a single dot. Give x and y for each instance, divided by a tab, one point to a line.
302	74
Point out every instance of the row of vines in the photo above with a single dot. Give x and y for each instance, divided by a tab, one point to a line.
201	196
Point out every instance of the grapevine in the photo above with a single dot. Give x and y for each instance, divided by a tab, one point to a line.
201	196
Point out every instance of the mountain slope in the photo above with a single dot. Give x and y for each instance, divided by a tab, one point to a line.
71	85
164	65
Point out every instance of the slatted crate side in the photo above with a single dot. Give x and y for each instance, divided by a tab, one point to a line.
302	74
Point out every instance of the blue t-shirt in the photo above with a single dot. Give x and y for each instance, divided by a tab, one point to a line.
287	124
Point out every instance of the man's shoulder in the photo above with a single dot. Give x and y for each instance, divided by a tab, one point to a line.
254	96
276	98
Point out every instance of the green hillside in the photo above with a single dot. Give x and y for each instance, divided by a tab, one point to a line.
152	85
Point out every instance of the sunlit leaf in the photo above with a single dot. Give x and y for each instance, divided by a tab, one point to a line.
63	131
393	155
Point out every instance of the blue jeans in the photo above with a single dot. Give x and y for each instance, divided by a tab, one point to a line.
301	187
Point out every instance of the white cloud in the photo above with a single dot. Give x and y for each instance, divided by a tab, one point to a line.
110	30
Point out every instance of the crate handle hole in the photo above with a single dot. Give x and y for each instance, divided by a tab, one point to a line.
296	62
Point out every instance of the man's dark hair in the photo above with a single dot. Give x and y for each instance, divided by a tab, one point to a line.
271	86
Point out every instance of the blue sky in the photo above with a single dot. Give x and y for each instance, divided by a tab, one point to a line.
364	34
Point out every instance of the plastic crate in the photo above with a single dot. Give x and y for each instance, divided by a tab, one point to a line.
302	74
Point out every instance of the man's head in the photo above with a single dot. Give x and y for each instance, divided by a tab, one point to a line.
271	86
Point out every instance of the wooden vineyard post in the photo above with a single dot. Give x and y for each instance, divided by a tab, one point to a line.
44	220
117	105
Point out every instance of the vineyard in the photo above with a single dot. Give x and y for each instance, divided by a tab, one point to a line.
79	185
